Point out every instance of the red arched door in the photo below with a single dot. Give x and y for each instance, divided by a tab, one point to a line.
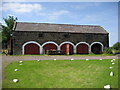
67	48
82	49
31	49
49	46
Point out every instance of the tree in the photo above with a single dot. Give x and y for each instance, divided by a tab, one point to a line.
7	30
115	49
10	22
116	46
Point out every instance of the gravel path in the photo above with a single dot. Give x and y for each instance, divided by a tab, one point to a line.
8	59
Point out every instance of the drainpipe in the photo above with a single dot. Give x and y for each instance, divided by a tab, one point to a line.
11	48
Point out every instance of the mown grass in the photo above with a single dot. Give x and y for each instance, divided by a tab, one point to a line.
61	74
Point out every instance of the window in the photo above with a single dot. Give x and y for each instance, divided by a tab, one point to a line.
40	35
67	35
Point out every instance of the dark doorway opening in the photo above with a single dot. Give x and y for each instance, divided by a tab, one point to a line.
96	48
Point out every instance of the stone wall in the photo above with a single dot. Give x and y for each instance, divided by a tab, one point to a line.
21	37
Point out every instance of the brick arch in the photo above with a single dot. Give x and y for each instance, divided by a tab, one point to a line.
31	47
96	47
50	45
67	47
82	48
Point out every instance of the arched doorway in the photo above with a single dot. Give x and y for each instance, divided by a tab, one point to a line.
49	46
67	48
31	48
82	48
96	48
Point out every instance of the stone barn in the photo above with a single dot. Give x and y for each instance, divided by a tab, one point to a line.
38	38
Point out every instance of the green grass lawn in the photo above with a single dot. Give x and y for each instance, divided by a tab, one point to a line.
61	74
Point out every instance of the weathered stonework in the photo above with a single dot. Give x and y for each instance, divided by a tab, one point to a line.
21	37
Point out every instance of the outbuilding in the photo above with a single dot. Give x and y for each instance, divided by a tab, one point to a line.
38	38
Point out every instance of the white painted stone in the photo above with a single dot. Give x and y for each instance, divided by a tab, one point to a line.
55	59
15	80
38	60
101	59
113	63
110	67
20	61
87	59
111	60
16	70
114	59
107	86
72	59
111	73
21	64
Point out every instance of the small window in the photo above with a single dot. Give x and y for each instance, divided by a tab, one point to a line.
67	35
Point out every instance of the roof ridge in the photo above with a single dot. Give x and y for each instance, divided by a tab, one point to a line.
30	26
60	24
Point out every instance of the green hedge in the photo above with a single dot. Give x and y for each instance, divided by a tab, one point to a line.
115	49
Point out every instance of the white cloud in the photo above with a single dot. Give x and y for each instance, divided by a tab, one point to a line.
21	7
0	7
60	0
2	22
24	0
86	5
14	0
57	14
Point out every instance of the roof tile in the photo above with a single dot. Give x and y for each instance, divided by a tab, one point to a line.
46	27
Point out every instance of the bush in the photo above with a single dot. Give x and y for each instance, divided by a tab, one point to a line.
116	46
108	51
115	49
5	51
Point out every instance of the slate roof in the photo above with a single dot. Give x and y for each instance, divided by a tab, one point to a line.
46	27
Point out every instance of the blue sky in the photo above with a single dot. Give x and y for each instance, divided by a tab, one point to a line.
104	14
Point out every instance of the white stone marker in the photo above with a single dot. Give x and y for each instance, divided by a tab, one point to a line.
20	64
87	59
114	59
72	59
55	59
16	70
20	61
110	67
111	74
38	60
113	63
15	80
107	86
101	59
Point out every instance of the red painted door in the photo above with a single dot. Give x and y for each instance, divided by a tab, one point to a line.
31	49
65	49
82	49
48	47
